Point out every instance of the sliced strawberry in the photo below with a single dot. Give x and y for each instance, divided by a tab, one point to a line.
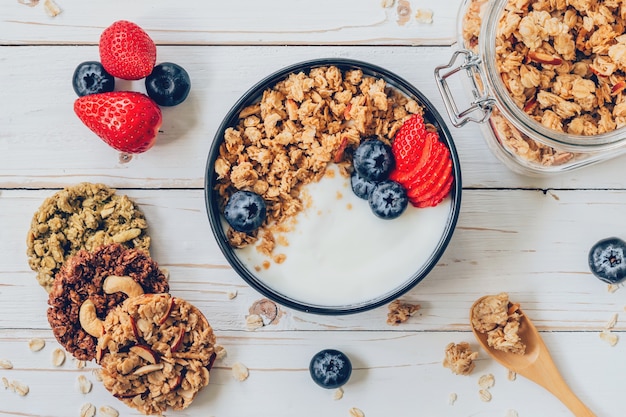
127	121
437	198
127	51
408	142
437	182
437	156
425	154
439	170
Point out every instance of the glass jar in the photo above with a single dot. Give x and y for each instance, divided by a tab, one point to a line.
546	109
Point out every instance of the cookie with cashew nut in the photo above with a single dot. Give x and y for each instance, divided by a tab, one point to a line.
91	284
82	216
156	353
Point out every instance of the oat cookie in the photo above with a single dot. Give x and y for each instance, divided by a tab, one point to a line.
156	352
84	216
81	281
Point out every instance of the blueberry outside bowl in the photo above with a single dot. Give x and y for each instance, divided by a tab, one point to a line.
250	274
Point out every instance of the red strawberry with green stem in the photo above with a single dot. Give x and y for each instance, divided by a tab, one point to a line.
127	121
127	51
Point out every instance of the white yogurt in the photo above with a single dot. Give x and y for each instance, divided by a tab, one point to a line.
341	254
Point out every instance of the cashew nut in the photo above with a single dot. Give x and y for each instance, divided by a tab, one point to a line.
125	284
89	320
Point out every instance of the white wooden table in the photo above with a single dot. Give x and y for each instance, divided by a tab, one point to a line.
526	236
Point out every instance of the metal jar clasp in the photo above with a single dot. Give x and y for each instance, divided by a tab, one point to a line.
481	105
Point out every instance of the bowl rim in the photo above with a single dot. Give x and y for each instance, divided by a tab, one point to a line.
252	95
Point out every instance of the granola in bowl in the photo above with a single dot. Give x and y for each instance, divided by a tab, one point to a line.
291	140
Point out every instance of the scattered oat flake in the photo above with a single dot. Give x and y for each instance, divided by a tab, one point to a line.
87	410
58	357
486	381
29	3
19	388
611	323
452	398
5	364
338	394
485	395
612	288
424	16
52	9
240	371
220	352
80	364
356	412
97	374
609	337
511	376
231	294
107	411
36	344
5	382
84	385
387	3
511	413
254	321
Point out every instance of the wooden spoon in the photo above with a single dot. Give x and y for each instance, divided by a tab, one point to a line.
536	364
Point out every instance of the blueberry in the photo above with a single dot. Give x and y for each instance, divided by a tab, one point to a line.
373	160
330	368
90	77
245	211
388	199
361	187
168	84
607	260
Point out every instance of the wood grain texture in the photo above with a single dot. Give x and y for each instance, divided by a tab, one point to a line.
526	236
282	22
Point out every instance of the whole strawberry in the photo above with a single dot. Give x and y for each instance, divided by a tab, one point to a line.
127	121
126	51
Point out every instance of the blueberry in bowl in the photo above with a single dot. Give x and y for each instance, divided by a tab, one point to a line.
373	160
315	141
245	211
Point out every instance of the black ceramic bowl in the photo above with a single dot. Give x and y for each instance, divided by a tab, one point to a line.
249	274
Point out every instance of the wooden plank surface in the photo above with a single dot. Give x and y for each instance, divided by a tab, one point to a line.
526	236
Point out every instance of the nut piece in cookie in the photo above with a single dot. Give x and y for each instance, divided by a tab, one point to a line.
84	216
156	353
80	300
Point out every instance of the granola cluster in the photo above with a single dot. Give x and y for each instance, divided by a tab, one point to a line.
83	216
563	62
300	126
459	358
156	353
500	319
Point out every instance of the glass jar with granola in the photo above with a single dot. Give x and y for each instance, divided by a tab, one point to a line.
547	80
